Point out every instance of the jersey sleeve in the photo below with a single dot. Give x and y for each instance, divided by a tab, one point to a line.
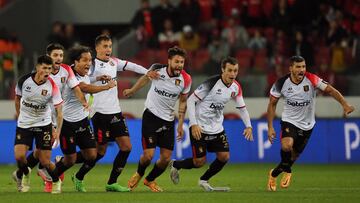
123	65
56	95
187	82
239	97
71	81
203	90
18	90
316	81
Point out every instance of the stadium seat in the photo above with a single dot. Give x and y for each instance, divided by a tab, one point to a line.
200	58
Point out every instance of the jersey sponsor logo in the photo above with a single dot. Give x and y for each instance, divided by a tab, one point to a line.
306	88
165	93
177	82
63	79
217	106
34	106
296	103
44	92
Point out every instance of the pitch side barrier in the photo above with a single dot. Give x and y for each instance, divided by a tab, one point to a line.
332	141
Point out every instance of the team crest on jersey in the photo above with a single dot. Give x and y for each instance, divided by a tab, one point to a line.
44	92
233	94
111	63
306	88
177	82
63	79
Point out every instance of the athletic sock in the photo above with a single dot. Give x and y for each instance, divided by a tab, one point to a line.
284	165
53	174
214	168
141	168
79	158
118	165
186	164
155	172
61	168
87	166
31	160
23	169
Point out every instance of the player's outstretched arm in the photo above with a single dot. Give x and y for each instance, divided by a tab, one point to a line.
340	98
89	88
270	117
181	114
140	83
59	119
195	128
80	96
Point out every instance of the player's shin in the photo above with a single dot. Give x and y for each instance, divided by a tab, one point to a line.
214	168
118	165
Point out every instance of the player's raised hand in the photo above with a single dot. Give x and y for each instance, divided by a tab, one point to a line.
196	132
248	134
348	109
180	133
271	134
105	78
128	93
152	74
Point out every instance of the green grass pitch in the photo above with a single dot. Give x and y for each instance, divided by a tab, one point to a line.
310	183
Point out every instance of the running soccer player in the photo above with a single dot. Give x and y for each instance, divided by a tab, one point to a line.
298	117
205	109
63	76
108	121
35	93
76	129
158	118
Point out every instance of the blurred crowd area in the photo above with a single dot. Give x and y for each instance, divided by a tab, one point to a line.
261	34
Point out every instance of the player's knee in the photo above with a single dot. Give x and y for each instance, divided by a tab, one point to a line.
69	162
286	147
126	148
148	157
199	162
20	158
45	163
224	158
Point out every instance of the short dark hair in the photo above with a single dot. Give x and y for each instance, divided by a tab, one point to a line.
173	51
75	52
54	46
101	38
228	59
44	59
296	59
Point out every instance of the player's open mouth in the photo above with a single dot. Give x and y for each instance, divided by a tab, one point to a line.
108	55
57	63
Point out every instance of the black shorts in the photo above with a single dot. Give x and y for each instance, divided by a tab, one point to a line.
301	137
109	126
42	136
157	132
211	143
76	133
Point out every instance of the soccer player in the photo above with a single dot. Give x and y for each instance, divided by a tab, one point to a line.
205	109
63	76
158	117
35	93
109	123
298	117
76	128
